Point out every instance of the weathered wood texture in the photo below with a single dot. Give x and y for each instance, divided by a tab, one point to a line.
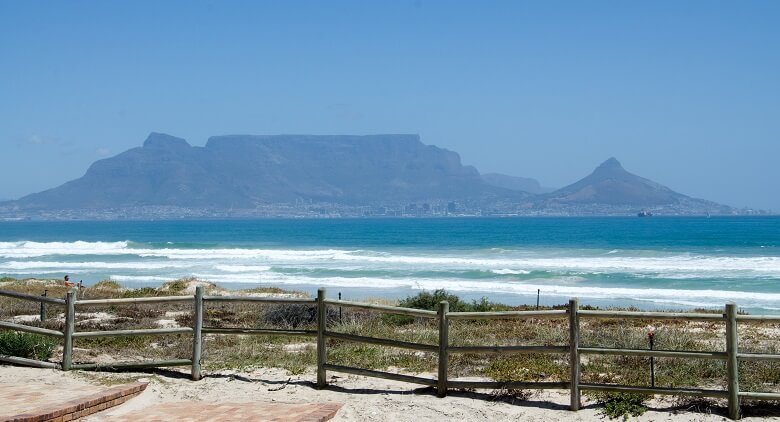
732	363
33	298
574	355
682	316
696	392
261	299
258	331
132	365
384	308
495	350
508	384
654	353
157	299
507	315
322	327
382	341
130	333
444	344
197	334
379	374
29	329
29	362
70	327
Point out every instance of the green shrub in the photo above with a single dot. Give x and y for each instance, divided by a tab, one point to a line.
142	292
107	285
176	286
26	345
623	405
430	301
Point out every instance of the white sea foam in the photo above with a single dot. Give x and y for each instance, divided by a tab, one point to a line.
670	265
242	268
568	272
36	249
507	271
136	278
560	287
134	265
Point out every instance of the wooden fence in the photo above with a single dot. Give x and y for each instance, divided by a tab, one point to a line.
573	349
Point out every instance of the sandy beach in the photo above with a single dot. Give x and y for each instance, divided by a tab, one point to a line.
364	399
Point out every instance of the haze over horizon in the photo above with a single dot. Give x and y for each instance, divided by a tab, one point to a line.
686	94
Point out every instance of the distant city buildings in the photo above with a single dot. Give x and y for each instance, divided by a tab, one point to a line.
309	209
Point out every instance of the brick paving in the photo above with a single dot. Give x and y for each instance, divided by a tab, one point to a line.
42	402
199	411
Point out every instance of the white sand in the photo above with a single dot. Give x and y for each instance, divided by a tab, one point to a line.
365	399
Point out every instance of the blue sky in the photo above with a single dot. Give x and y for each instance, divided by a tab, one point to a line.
686	93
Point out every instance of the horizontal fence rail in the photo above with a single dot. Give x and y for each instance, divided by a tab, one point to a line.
30	329
380	374
258	331
276	300
134	300
507	315
29	362
653	353
696	392
682	316
508	349
509	384
759	318
133	365
132	333
33	298
756	356
382	341
442	316
383	308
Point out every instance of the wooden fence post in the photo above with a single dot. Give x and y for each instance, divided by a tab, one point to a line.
444	328
70	326
43	306
732	364
197	334
321	326
574	354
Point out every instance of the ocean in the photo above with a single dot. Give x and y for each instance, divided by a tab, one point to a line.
650	263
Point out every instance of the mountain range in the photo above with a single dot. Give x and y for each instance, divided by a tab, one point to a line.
247	172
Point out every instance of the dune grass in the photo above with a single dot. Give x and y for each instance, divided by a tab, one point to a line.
298	353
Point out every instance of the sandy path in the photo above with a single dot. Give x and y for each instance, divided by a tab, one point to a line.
365	399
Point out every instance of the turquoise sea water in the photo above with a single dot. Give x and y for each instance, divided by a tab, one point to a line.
657	262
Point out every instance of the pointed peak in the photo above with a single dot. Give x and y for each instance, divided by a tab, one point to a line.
162	140
611	164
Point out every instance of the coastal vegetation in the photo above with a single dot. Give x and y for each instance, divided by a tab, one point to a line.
26	345
298	354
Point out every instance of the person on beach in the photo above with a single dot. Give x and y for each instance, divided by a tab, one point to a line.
67	281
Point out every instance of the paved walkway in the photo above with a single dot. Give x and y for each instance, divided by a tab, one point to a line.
198	411
44	402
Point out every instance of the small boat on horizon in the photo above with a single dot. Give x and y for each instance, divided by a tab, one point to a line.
644	214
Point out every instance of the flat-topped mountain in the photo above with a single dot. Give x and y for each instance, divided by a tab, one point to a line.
244	171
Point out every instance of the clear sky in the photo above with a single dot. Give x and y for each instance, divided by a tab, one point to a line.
686	93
